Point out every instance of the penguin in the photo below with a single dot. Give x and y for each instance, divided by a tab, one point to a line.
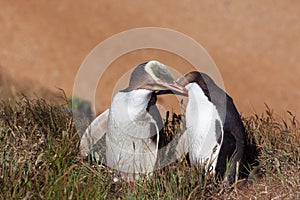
226	132
133	121
204	128
215	135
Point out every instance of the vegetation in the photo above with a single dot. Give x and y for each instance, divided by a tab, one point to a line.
39	159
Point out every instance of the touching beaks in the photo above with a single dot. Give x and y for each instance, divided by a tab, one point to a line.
175	88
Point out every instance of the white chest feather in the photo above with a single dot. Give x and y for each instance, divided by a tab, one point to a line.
204	128
128	113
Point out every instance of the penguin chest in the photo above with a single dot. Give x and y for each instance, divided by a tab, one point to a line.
204	128
130	127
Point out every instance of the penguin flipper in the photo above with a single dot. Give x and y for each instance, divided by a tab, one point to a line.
237	131
94	132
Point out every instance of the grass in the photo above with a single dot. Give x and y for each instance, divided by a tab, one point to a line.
39	159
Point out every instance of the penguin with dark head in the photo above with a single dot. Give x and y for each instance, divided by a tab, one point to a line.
234	137
232	148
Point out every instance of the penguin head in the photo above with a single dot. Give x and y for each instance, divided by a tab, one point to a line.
202	79
154	76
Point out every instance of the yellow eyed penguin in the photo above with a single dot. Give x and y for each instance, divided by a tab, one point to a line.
215	130
133	122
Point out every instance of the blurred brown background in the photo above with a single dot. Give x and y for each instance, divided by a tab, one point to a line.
255	44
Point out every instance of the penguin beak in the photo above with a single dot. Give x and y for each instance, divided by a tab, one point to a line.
173	88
